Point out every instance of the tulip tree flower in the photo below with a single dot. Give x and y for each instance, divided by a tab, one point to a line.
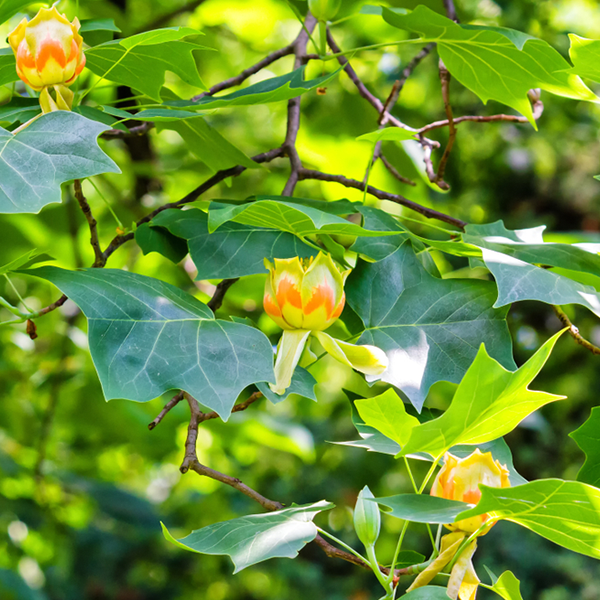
49	54
459	479
304	298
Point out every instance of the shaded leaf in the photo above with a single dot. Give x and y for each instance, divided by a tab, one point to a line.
422	508
303	384
489	403
253	539
232	251
428	592
159	239
55	148
141	61
430	328
8	66
19	109
25	261
564	512
157	338
493	62
587	438
275	89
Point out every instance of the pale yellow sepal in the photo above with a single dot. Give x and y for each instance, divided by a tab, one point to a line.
366	359
463	579
449	546
289	351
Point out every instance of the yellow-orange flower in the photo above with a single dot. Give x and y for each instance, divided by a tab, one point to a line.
306	294
459	479
48	49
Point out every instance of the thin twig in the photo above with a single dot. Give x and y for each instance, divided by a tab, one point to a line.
293	110
410	67
445	79
217	300
99	260
174	401
382	195
574	331
242	406
451	10
390	167
131	132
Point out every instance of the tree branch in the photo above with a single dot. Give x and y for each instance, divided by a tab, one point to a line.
445	79
451	10
217	300
382	195
174	401
99	260
574	331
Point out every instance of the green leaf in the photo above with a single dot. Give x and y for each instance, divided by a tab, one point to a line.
430	328
19	110
286	215
9	8
528	245
587	437
428	592
494	63
8	66
508	587
98	31
156	115
377	248
564	512
156	338
159	239
585	55
303	384
232	251
407	558
518	280
94	114
253	539
25	261
208	144
387	414
55	148
141	61
489	403
422	508
275	89
393	134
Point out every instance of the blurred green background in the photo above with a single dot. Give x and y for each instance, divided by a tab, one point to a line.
84	484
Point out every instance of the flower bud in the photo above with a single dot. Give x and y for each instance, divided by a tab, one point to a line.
48	49
367	520
304	294
324	10
459	479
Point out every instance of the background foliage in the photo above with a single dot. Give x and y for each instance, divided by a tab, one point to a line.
84	484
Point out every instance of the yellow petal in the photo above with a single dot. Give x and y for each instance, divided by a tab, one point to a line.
366	359
289	351
459	571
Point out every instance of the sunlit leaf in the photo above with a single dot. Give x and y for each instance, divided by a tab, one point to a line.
587	438
253	539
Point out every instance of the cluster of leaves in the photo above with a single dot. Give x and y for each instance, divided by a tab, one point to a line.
148	337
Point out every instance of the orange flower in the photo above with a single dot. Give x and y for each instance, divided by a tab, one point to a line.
48	49
459	479
305	295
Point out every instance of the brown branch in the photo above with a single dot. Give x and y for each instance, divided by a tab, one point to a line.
53	306
293	110
99	260
217	300
174	401
382	195
574	331
538	109
445	79
451	10
131	132
237	408
410	67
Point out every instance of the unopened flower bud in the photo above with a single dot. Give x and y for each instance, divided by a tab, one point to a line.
367	520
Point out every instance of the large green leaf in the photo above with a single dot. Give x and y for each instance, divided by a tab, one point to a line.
55	148
8	66
585	56
9	8
275	89
494	63
528	245
293	215
232	251
303	384
428	592
564	512
587	438
208	144
141	61
148	337
387	413
253	539
489	403
430	328
379	247
518	280
422	508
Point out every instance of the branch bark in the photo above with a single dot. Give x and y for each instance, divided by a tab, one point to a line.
99	260
574	331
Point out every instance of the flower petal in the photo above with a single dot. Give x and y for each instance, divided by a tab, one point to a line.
366	359
289	351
